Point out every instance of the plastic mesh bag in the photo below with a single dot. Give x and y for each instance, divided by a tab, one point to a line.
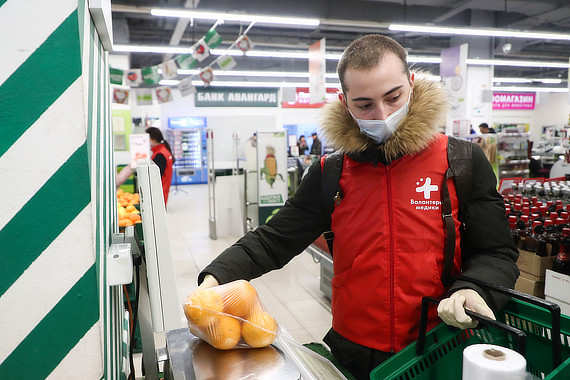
230	316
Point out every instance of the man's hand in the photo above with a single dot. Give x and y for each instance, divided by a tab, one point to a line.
209	282
452	310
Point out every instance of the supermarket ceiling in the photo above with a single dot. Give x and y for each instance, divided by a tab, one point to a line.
343	21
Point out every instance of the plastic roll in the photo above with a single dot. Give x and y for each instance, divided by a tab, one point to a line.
490	362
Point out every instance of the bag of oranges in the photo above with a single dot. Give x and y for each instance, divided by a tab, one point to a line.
230	316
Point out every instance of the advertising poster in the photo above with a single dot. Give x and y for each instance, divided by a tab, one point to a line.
139	147
514	100
317	69
271	172
453	72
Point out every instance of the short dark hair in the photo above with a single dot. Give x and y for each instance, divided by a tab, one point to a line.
483	125
365	52
314	134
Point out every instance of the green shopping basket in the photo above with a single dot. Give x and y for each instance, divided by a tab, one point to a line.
527	324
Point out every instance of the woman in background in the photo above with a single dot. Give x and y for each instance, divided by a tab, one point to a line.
162	157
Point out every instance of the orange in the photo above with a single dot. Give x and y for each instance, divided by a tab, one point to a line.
203	306
225	333
240	299
130	208
259	330
128	222
134	217
122	222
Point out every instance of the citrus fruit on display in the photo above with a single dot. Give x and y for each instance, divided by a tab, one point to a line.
203	306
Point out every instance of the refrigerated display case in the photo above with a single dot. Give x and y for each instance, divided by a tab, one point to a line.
187	137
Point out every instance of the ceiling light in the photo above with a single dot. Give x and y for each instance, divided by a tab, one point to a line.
530	89
413	59
512	80
243	84
169	82
152	49
527	80
478	32
499	62
295	21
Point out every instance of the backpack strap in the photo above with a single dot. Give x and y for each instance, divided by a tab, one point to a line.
460	161
331	193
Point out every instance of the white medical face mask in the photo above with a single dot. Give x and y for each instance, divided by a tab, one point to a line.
380	130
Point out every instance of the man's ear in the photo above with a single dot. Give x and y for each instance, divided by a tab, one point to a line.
342	98
412	78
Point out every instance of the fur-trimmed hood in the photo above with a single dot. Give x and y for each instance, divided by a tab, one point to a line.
426	117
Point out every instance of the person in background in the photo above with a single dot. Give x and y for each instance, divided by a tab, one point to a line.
162	157
302	144
252	140
316	148
484	128
389	237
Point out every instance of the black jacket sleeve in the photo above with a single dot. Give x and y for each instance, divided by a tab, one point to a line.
160	161
488	250
297	224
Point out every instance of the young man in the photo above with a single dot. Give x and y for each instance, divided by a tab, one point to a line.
388	231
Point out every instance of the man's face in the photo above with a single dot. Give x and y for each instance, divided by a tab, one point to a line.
302	140
377	93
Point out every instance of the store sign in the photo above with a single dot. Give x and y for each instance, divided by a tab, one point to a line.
303	98
513	101
235	97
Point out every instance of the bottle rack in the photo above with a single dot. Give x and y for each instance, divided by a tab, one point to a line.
512	154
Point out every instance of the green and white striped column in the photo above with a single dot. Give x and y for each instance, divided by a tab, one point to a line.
58	317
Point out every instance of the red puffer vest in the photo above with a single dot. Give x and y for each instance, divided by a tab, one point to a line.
388	247
167	176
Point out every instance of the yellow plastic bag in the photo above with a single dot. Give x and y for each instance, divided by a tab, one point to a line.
230	316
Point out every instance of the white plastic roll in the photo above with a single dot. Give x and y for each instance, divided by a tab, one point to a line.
490	362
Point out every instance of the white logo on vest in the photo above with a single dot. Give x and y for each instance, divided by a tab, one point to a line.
425	187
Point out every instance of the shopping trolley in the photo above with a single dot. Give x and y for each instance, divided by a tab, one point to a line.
530	325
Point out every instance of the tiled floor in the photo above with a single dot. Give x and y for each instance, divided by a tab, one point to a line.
291	294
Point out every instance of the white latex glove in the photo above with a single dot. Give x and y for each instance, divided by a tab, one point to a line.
452	310
209	282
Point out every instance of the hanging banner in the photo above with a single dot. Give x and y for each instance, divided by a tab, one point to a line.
169	69
133	77
116	76
201	50
144	96
151	75
207	76
244	43
226	62
317	69
212	39
186	61
453	72
163	94
514	100
235	97
303	100
272	172
186	87
120	96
